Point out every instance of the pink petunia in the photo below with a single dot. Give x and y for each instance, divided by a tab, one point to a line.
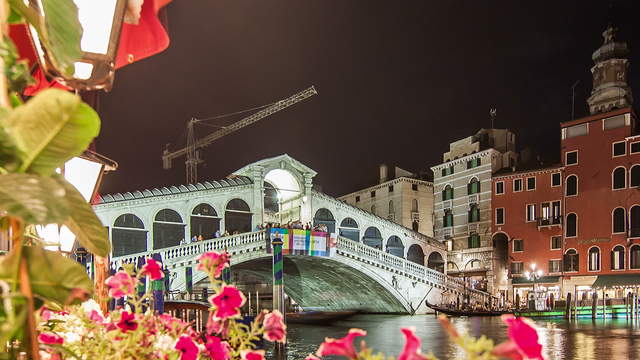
274	328
96	317
411	349
252	354
153	269
523	340
213	262
121	284
227	302
341	347
127	322
45	314
188	349
311	357
50	339
217	349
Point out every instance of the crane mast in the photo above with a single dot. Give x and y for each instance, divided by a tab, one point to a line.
191	150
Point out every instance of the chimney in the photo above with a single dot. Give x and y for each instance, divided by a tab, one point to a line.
384	173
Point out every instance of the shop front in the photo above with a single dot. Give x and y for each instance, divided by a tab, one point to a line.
539	295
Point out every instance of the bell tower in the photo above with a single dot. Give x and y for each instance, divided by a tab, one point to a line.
610	88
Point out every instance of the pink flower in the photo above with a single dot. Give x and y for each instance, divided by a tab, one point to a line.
50	338
523	340
127	322
217	349
411	350
252	354
153	269
213	262
341	347
311	357
274	327
46	314
121	284
188	349
214	325
227	302
96	317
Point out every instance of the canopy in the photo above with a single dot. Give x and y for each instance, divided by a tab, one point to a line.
622	280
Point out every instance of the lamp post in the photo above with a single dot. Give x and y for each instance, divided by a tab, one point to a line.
534	275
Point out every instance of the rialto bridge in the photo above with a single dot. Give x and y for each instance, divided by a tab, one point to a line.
379	265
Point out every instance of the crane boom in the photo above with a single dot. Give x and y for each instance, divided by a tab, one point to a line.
192	155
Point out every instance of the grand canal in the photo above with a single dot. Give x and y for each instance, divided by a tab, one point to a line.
584	339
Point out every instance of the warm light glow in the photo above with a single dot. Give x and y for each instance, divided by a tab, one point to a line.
83	174
82	70
527	274
539	273
533	266
285	183
96	18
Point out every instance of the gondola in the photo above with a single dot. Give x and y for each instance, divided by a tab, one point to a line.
469	313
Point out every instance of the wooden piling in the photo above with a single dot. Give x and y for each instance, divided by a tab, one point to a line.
594	305
567	307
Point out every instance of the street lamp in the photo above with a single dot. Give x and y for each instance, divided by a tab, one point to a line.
101	23
533	276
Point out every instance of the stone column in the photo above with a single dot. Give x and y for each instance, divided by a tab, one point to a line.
306	210
257	176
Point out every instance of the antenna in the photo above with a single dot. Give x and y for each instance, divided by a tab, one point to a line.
573	99
492	116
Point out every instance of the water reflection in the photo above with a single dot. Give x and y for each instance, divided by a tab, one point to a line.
584	339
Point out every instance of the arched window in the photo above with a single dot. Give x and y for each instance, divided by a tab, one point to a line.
435	262
395	246
270	198
572	225
415	254
447	193
204	221
635	176
414	205
324	216
617	258
617	220
571	260
473	187
168	229
373	209
572	185
415	226
594	259
474	264
474	214
619	178
447	219
634	221
128	235
634	257
391	211
237	217
373	238
349	229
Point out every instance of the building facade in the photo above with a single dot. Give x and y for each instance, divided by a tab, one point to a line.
462	204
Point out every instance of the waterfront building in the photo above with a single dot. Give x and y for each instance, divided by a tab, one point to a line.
400	196
462	205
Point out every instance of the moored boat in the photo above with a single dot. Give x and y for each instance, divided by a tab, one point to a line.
469	313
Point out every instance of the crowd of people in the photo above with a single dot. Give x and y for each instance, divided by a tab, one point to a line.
296	225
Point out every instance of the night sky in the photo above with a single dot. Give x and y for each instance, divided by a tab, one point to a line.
397	81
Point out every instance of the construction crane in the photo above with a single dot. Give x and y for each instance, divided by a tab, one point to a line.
191	150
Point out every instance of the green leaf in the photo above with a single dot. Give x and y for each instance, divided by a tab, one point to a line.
52	128
16	71
36	199
53	277
83	222
10	154
63	33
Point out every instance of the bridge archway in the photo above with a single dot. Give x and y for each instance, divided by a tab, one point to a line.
204	221
349	229
324	216
128	235
237	216
415	254
395	246
435	262
270	198
168	229
372	237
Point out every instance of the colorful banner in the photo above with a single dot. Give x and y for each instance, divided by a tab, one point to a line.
303	242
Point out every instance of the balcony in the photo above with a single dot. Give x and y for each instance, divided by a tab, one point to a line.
447	233
473	228
549	222
473	199
415	216
447	205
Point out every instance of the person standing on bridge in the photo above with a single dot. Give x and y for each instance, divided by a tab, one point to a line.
217	234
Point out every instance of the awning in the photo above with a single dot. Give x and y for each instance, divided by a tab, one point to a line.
621	280
541	280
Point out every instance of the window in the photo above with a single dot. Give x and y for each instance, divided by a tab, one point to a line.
414	187
619	148
571	261
556	179
554	266
572	185
447	193
390	188
518	245
500	187
613	122
531	183
373	194
391	211
572	225
635	147
447	171
473	187
473	163
634	221
556	242
634	257
414	205
531	212
516	268
575	130
500	216
415	226
357	198
447	219
594	259
473	241
545	211
571	157
517	185
635	176
619	178
617	219
556	216
474	214
617	258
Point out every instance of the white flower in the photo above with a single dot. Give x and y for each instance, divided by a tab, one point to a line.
90	305
165	343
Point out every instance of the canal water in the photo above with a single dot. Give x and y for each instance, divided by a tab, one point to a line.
582	339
